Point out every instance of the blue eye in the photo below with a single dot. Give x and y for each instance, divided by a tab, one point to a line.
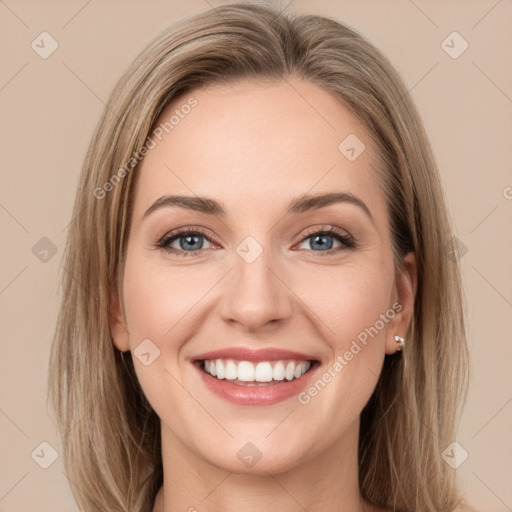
323	240
191	242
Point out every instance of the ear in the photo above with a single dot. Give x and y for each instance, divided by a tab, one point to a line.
404	293
118	328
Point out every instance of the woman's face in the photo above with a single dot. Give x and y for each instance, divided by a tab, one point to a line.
256	268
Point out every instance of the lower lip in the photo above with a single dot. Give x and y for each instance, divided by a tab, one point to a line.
256	395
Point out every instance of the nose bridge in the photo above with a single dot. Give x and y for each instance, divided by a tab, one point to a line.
255	296
253	273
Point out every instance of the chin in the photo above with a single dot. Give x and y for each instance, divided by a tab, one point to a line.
269	463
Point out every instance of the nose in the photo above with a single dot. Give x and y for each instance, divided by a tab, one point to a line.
256	298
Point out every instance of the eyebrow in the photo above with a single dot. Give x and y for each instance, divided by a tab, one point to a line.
300	204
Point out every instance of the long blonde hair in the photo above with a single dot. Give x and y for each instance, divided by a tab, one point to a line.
110	434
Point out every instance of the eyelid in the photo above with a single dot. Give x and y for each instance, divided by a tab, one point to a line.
344	237
163	241
328	229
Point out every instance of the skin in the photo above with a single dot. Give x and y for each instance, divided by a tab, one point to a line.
254	146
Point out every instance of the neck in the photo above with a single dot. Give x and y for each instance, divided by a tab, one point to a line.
327	481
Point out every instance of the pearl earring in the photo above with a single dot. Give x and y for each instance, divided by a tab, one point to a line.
401	342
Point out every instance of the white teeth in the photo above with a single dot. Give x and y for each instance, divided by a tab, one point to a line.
278	372
231	370
245	371
264	371
221	372
290	370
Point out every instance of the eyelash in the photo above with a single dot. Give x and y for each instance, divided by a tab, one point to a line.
346	240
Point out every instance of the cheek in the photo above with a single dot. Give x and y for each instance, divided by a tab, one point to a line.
351	305
159	306
160	300
347	300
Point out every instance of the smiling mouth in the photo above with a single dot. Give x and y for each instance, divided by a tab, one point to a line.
263	373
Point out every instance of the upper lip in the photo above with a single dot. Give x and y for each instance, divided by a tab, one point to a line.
256	355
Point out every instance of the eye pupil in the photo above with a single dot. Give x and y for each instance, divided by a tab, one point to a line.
321	240
193	242
191	239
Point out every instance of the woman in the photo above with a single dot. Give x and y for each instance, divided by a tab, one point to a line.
259	308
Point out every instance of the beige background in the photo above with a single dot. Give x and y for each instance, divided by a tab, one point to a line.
50	107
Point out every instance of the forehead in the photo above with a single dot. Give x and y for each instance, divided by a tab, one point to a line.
255	144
